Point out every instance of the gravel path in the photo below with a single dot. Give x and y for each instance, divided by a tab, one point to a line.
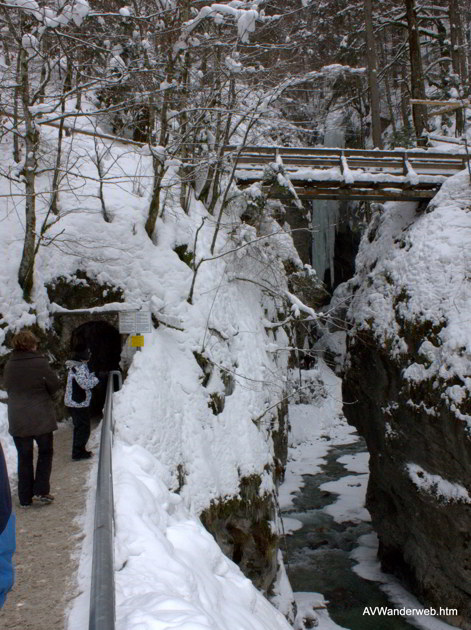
48	544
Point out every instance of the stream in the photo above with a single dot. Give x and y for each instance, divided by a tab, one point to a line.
317	555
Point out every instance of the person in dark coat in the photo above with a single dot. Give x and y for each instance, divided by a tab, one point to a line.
31	384
7	533
78	395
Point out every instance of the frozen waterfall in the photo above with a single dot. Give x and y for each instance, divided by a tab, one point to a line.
325	214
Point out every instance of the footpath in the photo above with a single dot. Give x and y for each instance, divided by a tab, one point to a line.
48	545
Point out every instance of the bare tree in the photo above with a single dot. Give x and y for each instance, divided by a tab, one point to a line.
458	58
417	74
375	105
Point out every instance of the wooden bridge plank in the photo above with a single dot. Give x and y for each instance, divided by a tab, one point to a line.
365	195
378	186
357	193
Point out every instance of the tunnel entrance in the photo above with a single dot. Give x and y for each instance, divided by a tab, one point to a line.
104	342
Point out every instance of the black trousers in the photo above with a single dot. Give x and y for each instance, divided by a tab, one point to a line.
30	482
81	422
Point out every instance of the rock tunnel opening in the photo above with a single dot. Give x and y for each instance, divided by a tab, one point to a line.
104	342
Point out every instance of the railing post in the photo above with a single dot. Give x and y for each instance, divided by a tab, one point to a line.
405	169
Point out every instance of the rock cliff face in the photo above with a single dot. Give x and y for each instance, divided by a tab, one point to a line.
407	390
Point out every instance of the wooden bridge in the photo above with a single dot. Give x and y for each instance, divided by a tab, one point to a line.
351	174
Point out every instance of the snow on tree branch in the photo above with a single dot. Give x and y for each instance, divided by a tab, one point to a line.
75	11
298	307
331	71
245	19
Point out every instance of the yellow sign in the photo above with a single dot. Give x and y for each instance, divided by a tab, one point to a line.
137	341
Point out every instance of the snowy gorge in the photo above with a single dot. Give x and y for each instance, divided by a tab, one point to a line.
120	130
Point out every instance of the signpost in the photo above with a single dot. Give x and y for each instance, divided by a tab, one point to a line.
135	323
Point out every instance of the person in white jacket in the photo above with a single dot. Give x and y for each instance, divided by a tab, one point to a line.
78	395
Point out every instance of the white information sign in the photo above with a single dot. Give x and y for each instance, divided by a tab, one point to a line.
132	322
127	323
143	322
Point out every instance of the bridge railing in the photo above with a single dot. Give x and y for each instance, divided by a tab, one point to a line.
102	591
320	157
317	173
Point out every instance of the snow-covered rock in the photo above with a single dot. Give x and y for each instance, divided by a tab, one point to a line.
408	387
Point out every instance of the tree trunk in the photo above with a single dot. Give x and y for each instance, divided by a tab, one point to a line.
405	96
185	171
458	59
373	86
158	166
6	50
78	102
54	207
214	185
419	112
26	270
387	87
16	142
159	170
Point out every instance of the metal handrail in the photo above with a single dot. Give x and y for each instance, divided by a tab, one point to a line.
102	591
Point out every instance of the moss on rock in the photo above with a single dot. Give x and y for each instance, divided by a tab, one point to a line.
80	291
242	527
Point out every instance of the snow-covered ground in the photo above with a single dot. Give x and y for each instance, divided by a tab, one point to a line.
170	572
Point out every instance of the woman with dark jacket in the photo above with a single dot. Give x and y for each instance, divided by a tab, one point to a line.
31	385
